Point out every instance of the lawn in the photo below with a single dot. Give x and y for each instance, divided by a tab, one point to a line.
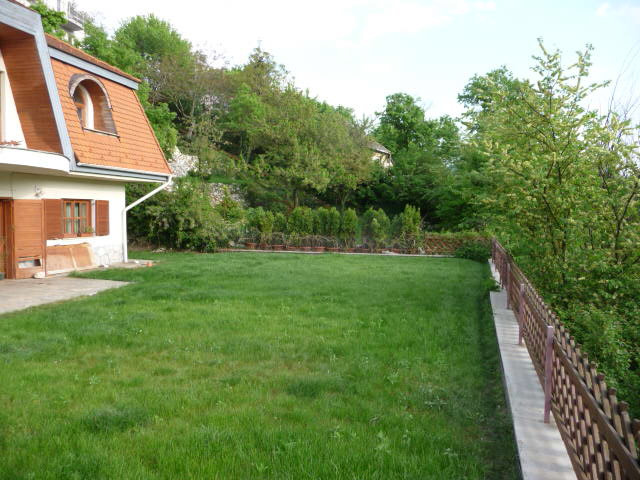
260	366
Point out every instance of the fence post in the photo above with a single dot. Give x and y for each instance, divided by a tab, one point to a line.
493	251
548	354
507	282
521	314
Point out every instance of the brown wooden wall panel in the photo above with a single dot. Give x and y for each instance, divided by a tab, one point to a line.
102	217
28	216
53	218
61	258
135	147
4	237
28	228
29	90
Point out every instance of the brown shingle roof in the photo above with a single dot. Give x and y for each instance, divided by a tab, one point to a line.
135	147
65	47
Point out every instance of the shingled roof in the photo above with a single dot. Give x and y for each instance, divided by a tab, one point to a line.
378	147
58	44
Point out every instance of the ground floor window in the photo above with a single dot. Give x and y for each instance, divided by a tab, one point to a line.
76	217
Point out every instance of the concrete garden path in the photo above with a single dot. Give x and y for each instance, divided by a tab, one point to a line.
20	294
543	455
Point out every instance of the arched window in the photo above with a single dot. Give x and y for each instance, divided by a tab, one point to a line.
92	104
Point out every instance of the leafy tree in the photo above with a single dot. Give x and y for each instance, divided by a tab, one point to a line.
293	144
458	189
161	120
146	40
52	20
565	196
401	122
424	152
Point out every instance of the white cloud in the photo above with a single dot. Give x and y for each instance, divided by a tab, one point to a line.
602	9
411	17
485	6
626	10
633	13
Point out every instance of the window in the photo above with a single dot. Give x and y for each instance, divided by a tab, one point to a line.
84	106
92	104
76	217
72	218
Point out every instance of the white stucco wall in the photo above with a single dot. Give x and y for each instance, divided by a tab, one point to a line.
107	249
10	128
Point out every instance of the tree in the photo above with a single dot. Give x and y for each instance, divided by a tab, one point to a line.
148	40
565	189
424	151
295	147
401	122
52	20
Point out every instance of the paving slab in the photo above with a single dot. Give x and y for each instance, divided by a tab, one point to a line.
543	455
20	294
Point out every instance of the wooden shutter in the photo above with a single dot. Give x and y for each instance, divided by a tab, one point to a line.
53	219
102	217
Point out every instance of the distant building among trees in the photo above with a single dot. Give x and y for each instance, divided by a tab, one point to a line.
75	18
381	154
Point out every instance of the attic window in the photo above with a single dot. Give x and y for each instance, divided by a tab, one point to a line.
92	104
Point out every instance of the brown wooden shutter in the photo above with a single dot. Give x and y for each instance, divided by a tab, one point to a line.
102	217
53	219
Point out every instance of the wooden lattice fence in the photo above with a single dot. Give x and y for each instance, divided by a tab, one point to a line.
601	439
435	244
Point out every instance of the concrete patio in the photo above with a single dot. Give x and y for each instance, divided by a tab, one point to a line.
21	294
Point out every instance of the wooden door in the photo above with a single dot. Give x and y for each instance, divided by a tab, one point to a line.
4	250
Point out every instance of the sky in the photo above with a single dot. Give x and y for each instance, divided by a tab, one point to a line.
356	52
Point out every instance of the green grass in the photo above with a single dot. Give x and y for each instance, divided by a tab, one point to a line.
260	366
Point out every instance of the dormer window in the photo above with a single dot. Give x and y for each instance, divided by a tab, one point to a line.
84	106
92	104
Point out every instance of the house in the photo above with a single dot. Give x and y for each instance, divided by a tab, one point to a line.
72	135
76	18
381	154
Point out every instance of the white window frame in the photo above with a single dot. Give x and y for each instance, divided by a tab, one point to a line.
87	111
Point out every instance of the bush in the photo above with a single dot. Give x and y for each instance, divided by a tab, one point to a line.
253	214
280	223
348	226
301	221
261	223
229	209
332	223
410	221
477	251
376	227
319	221
185	219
